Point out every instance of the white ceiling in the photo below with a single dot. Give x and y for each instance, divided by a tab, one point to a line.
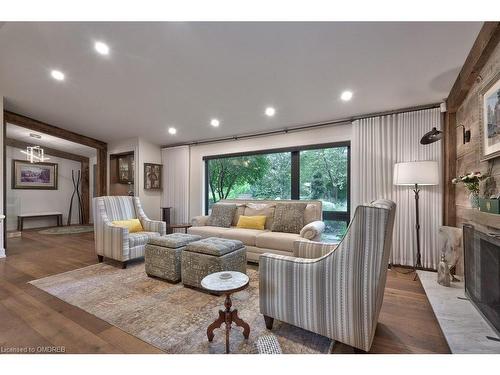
22	134
183	74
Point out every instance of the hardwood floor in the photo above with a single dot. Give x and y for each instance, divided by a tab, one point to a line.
31	318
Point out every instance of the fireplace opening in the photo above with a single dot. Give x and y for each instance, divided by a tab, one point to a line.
482	273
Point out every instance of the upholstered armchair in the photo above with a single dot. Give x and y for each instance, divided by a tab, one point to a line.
333	290
116	242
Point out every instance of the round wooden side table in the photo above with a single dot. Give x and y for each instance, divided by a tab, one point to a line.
226	282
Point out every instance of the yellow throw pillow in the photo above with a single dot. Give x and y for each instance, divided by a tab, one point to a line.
133	225
251	222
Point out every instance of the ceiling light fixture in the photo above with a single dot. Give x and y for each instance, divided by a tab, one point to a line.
214	122
57	75
346	96
172	131
34	154
101	48
270	111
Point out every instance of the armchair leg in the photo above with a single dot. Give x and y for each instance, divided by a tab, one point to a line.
269	322
123	265
100	258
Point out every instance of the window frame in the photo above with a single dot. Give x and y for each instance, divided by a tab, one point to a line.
295	173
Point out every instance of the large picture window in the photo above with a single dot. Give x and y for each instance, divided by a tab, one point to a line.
319	172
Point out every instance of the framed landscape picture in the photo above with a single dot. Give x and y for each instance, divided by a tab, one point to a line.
490	119
26	175
152	176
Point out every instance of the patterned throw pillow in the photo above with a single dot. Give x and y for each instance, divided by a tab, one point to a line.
289	217
222	215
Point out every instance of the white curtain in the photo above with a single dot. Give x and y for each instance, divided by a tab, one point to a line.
380	142
176	182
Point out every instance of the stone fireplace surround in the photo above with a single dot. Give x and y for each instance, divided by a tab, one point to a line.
462	323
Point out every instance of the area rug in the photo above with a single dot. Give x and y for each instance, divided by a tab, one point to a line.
73	229
169	316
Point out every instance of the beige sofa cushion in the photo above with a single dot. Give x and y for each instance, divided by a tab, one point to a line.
258	209
312	213
247	236
277	240
240	210
208	231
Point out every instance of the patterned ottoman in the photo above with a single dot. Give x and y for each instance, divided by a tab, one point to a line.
210	255
162	255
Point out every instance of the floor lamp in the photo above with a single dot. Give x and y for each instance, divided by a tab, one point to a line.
416	174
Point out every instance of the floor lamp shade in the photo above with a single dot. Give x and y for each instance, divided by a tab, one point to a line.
416	173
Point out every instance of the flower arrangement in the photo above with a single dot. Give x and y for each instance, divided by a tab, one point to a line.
471	181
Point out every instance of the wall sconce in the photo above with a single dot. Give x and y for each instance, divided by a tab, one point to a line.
465	134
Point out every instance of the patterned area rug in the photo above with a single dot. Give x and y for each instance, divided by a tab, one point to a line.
74	229
169	316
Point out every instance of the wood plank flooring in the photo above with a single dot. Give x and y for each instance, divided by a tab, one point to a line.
32	318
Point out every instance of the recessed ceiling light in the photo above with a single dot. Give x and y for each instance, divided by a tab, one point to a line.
57	75
270	111
214	122
346	96
172	131
101	48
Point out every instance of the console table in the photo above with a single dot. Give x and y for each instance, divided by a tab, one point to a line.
20	218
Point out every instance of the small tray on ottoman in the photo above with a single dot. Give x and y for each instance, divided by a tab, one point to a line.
210	255
163	255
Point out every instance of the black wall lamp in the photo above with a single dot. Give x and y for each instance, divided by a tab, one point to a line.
465	134
430	137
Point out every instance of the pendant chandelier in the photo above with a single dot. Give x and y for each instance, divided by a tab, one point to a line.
34	154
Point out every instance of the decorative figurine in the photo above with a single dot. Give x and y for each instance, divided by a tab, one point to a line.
444	277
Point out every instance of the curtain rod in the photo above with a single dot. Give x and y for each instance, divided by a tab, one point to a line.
343	121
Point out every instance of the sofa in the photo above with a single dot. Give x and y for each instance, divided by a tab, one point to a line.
116	242
263	241
333	290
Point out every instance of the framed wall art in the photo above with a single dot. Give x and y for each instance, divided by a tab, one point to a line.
490	119
26	175
152	176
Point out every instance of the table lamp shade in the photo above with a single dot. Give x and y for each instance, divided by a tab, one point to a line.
416	172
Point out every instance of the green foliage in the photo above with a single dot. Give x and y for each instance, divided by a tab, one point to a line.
323	175
225	174
317	186
325	168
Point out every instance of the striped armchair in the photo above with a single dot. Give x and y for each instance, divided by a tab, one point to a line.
116	242
335	291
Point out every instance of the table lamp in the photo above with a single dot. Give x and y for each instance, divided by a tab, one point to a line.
416	174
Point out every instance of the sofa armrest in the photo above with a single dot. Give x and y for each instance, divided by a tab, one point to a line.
313	230
199	221
311	249
154	226
115	243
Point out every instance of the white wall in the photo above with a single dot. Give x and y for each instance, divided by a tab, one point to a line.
2	247
150	199
336	133
144	152
92	163
21	201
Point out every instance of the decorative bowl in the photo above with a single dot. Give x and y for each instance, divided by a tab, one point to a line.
225	276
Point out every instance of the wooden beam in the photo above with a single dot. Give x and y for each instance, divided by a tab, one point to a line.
450	168
26	122
486	41
85	183
47	150
101	172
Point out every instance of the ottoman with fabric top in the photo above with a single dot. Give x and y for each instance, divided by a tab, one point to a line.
162	255
210	255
